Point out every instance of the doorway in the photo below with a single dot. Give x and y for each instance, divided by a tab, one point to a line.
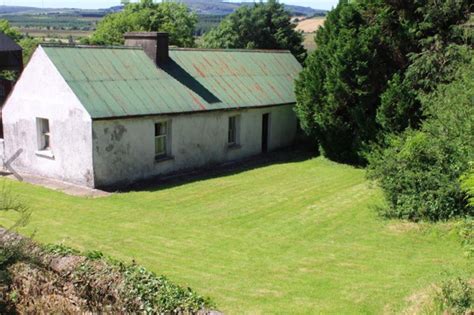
265	132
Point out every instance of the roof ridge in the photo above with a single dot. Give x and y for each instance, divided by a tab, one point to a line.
55	45
280	51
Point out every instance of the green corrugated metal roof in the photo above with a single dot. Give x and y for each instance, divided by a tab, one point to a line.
120	82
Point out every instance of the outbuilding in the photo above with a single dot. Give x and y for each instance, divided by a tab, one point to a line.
108	116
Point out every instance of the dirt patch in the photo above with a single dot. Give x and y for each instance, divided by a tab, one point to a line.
420	301
404	227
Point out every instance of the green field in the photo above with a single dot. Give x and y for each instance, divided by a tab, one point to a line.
297	236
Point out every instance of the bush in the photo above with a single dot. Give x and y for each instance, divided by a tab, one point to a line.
468	184
420	171
456	296
466	233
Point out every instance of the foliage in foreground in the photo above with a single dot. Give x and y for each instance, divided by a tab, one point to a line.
262	26
420	171
57	279
147	16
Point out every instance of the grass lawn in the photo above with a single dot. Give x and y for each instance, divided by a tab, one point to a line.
299	236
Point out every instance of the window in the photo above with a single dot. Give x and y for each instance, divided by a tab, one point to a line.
161	139
233	136
44	137
2	94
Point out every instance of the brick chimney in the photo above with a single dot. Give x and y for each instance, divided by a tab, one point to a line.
155	44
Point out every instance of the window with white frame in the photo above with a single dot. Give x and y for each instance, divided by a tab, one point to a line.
234	128
44	136
162	139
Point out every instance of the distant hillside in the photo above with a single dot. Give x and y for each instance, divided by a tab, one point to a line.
202	7
219	7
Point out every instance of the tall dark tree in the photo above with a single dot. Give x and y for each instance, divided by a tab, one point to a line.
373	60
261	26
434	48
339	91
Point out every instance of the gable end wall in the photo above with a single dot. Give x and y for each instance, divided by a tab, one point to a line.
42	92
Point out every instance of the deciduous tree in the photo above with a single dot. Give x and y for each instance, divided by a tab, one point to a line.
261	26
171	17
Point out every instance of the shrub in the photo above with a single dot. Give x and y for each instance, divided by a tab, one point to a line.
420	171
465	230
456	296
468	184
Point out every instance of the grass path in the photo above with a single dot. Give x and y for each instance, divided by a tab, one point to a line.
296	237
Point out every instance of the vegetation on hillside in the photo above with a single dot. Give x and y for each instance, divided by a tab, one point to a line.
262	26
390	83
147	16
56	279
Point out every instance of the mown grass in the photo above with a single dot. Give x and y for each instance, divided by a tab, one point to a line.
299	236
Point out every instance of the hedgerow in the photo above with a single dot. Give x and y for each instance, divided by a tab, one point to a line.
60	279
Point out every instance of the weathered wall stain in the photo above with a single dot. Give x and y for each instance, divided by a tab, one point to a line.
118	132
124	150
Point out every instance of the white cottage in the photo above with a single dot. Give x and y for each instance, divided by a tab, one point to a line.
107	116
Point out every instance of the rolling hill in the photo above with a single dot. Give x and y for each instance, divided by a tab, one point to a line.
204	7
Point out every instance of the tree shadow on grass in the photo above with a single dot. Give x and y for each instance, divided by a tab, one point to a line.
288	155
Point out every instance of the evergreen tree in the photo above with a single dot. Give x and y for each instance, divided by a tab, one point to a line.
338	92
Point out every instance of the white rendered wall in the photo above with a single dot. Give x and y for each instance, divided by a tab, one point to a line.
124	148
41	92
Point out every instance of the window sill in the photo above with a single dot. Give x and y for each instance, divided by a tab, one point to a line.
160	159
45	153
233	146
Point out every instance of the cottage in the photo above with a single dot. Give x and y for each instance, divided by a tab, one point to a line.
105	116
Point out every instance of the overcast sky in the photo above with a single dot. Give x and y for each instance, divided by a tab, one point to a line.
95	4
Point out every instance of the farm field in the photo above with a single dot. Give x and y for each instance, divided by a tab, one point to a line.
297	236
310	25
309	42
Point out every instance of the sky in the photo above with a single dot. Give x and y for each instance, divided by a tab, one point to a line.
95	4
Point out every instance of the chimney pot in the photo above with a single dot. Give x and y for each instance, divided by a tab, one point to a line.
155	44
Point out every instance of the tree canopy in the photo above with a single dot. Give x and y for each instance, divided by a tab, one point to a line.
28	44
261	26
374	59
171	17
